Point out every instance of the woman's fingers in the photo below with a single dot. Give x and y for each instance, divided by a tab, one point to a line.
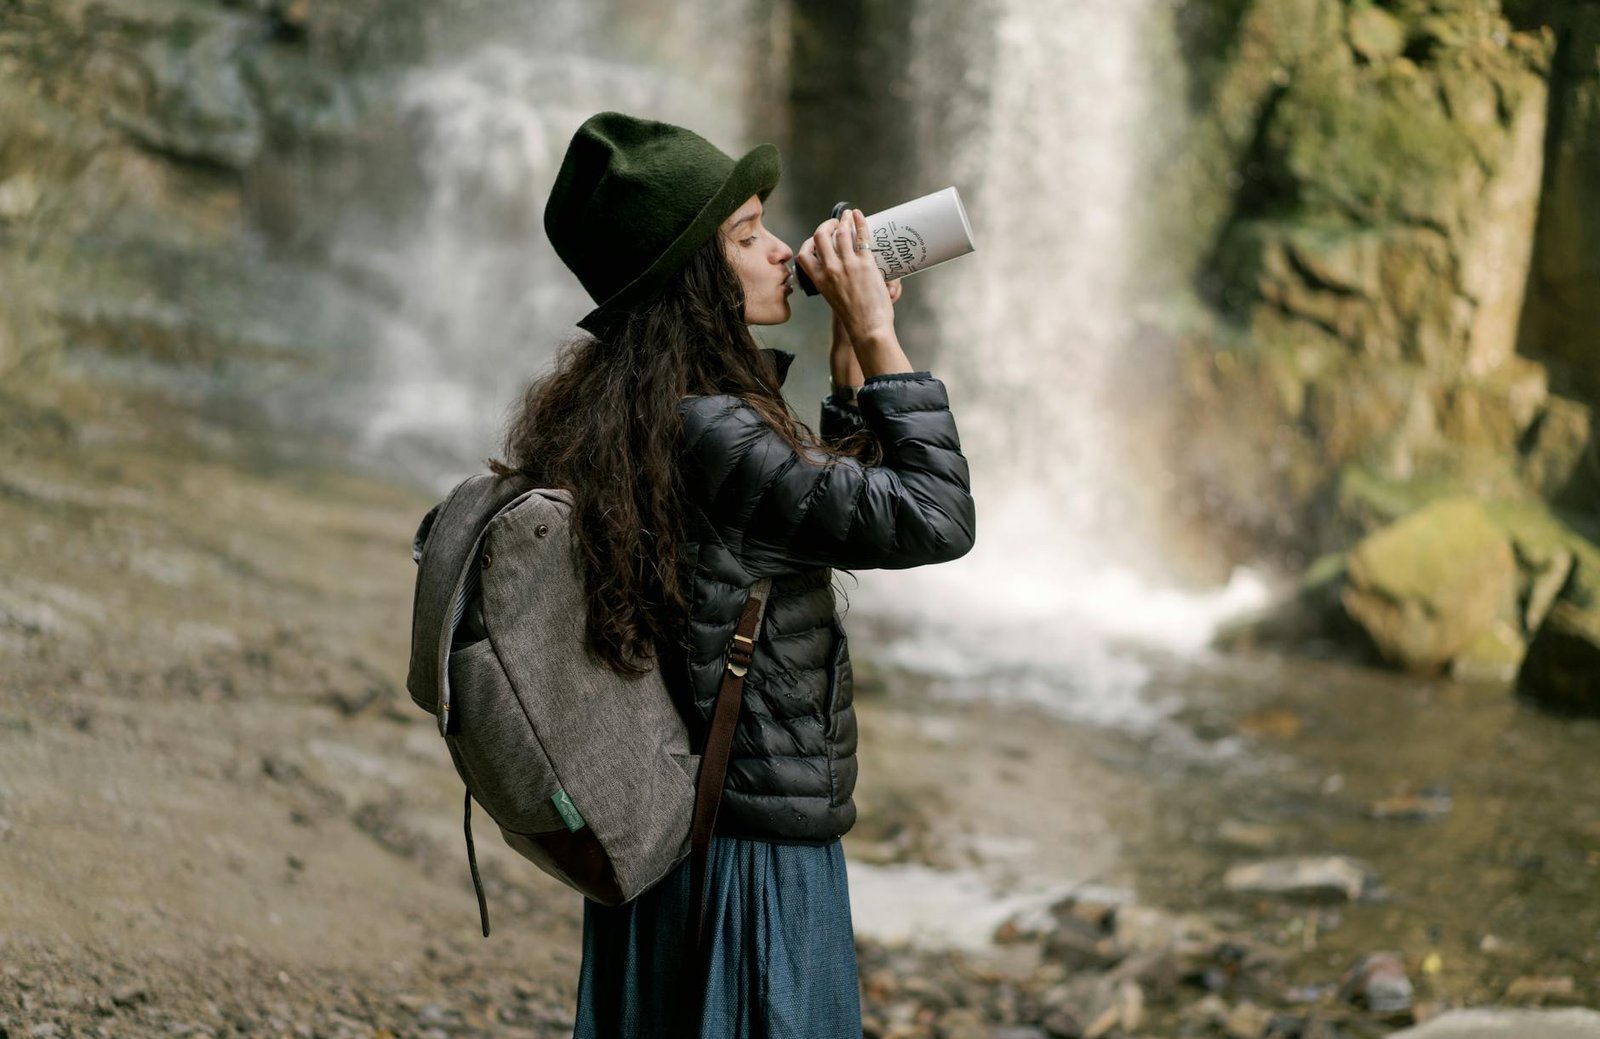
848	236
827	246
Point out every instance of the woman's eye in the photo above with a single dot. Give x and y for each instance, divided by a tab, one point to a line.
747	241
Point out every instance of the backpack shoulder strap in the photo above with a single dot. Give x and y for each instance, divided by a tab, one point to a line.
714	761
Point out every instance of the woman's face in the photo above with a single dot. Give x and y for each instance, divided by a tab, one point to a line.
761	259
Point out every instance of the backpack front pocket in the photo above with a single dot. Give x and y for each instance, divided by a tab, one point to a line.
495	748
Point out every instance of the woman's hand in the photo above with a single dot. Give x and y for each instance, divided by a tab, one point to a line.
841	337
838	261
842	363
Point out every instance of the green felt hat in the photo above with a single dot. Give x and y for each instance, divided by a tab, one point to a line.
634	198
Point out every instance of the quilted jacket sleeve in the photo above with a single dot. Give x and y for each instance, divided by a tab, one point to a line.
838	420
778	509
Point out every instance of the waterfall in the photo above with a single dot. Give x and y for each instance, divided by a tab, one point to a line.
1044	114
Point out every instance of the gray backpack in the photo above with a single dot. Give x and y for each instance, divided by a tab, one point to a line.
588	774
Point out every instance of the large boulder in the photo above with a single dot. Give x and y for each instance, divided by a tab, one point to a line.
1429	585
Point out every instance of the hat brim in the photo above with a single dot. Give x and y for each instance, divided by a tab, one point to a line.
757	173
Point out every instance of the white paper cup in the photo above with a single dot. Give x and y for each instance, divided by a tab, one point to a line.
919	234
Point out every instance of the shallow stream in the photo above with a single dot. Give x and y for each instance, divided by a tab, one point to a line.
1474	812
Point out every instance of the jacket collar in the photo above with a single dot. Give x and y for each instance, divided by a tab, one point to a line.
781	360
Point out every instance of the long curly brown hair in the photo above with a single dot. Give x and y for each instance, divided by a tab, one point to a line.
605	425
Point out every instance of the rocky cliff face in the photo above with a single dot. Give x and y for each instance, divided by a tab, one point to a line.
154	162
1562	323
1402	256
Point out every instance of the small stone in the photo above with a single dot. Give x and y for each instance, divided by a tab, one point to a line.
1327	878
1378	981
130	994
1085	1007
1143	929
436	1015
1418	807
1247	1021
1160	974
1307	993
1250	836
1208	1010
963	1023
1080	942
1533	989
44	1030
880	985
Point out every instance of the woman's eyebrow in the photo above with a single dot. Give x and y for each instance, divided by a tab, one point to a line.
743	220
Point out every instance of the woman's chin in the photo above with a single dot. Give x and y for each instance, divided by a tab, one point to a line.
776	314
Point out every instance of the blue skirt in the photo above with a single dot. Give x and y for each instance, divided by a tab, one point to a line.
779	963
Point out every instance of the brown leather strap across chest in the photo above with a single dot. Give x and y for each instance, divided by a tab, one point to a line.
714	759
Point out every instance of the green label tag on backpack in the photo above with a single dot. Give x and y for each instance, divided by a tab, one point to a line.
568	811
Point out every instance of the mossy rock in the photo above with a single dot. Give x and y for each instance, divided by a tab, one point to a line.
1426	586
1375	145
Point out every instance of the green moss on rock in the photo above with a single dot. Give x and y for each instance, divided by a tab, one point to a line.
1426	586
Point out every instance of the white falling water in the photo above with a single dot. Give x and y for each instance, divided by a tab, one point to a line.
478	300
1055	118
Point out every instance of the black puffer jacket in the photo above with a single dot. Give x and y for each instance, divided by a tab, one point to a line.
757	508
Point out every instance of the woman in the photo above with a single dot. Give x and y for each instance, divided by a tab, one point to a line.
692	481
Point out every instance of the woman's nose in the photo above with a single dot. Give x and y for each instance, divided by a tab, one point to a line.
785	254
